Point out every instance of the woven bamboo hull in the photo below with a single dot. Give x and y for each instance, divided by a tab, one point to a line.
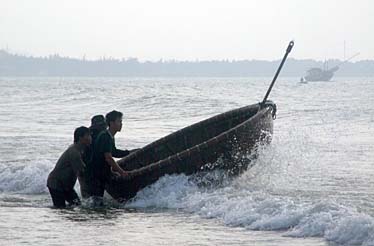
193	148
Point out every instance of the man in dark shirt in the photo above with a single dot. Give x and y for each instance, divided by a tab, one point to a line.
98	125
62	179
104	150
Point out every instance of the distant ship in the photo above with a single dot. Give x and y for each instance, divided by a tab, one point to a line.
318	74
322	74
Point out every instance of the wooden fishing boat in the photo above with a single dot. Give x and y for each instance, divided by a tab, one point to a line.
198	147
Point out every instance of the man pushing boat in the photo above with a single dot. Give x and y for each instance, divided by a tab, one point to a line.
63	177
91	159
100	169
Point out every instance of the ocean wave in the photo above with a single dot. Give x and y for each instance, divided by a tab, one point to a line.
258	210
25	179
271	196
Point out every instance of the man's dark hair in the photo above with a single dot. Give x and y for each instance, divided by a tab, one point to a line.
80	132
112	116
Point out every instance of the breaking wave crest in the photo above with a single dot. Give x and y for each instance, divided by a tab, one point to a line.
25	179
261	200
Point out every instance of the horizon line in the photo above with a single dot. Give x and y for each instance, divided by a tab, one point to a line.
140	60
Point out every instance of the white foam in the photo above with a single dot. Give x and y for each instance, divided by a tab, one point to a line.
28	179
257	210
263	199
168	192
356	229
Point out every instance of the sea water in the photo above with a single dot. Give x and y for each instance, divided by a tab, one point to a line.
313	185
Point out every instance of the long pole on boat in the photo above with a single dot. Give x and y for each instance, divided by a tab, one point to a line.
289	48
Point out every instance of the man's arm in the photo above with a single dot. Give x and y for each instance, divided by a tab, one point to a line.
109	159
118	153
77	164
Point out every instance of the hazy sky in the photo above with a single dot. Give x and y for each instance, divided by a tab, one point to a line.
188	29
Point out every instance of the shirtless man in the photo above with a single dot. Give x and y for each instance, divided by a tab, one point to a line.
69	166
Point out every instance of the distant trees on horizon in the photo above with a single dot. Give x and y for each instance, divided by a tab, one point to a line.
56	65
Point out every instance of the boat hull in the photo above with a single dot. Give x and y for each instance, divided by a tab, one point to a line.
195	148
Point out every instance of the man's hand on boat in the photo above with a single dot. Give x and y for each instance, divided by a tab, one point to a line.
125	173
121	174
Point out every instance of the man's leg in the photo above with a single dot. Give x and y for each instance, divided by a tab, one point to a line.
58	198
72	198
98	192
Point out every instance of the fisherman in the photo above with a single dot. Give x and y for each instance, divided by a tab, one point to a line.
98	125
103	163
63	177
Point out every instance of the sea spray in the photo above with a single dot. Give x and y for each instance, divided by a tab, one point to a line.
266	197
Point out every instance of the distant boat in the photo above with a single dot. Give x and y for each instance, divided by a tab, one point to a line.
323	74
318	74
